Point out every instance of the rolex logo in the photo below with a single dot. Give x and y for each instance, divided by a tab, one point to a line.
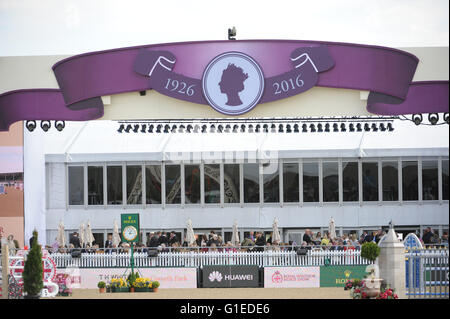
347	273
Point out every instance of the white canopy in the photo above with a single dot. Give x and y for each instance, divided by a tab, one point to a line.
235	235
100	141
190	236
116	235
61	235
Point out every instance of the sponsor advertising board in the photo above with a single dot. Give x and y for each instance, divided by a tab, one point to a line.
337	276
292	277
87	278
230	276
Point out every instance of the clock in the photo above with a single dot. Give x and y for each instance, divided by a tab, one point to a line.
130	233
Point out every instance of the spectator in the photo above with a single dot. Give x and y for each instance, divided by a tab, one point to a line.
427	236
445	238
325	241
75	240
163	239
172	238
154	240
307	237
247	242
260	241
378	235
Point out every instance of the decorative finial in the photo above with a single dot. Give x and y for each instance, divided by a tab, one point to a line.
391	224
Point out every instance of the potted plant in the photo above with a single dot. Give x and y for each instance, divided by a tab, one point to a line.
142	285
119	285
371	251
131	280
33	270
101	286
155	285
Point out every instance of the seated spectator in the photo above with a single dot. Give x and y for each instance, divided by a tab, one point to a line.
325	241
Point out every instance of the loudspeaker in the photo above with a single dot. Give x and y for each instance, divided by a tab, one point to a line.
302	251
76	253
152	253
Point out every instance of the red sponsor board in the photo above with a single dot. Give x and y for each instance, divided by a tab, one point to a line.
291	277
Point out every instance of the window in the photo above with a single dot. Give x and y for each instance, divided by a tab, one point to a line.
370	181
153	184
114	189
192	184
173	184
95	185
410	180
231	183
271	183
390	181
310	182
350	182
212	183
251	183
330	182
76	185
134	185
445	179
430	180
290	182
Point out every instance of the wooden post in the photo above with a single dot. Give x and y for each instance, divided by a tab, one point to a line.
5	271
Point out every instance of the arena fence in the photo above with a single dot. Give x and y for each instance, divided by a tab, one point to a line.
427	273
200	259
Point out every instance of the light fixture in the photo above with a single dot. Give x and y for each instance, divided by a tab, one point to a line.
265	128
227	128
390	128
144	128
196	128
232	33
204	127
242	128
60	125
257	128
304	128
312	128
136	128
181	128
273	128
374	127
174	128
351	127
446	119
150	128
220	128
235	128
280	128
327	127
45	125
335	127
31	125
296	128
189	128
128	128
319	127
212	128
158	128
121	128
433	118
417	118
358	127
366	127
288	128
343	129
382	127
166	128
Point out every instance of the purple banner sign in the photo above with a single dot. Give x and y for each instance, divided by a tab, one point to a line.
200	72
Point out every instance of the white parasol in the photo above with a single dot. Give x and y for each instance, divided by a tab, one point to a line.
235	235
190	236
82	234
116	235
332	229
61	235
275	232
89	236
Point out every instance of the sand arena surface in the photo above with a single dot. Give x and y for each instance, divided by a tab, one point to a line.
218	293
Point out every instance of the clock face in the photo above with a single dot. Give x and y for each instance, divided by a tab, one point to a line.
130	233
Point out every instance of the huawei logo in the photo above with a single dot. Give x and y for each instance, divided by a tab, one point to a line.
215	275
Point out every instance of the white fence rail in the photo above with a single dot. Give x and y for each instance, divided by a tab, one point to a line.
200	259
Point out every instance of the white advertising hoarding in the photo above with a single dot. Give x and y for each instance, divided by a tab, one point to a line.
291	277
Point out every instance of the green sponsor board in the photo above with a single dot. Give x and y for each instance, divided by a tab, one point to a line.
130	227
337	276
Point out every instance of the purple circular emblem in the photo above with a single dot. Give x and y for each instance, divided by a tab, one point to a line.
233	83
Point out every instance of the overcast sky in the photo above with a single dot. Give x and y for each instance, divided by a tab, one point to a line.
43	27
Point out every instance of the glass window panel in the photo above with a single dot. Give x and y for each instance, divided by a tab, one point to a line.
231	184
114	180
192	184
390	181
330	182
95	185
134	185
251	183
76	185
271	183
290	182
445	180
310	182
370	181
430	180
153	184
173	184
410	181
350	192
212	183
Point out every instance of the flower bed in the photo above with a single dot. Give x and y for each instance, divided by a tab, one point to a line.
358	290
133	283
